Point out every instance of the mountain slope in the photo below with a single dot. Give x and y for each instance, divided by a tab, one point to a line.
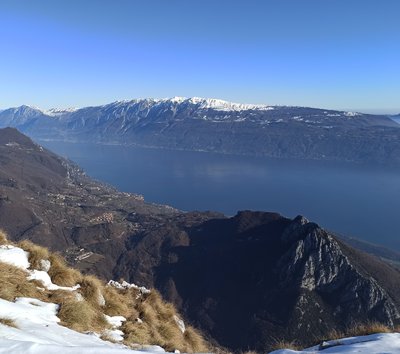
51	201
246	280
220	126
44	304
285	279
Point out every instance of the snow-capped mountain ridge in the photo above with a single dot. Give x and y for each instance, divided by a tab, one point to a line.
198	103
209	124
59	111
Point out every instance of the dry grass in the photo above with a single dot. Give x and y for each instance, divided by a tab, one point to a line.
108	338
137	333
159	326
117	303
92	290
363	329
81	316
194	339
36	253
8	322
3	238
282	344
84	310
61	274
356	329
14	284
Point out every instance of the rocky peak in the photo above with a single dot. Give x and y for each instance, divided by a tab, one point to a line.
316	263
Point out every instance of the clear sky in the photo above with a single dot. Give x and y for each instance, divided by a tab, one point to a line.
342	54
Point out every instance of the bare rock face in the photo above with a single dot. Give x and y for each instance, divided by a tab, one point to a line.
258	277
316	264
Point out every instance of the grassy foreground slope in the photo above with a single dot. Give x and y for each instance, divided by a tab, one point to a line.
117	312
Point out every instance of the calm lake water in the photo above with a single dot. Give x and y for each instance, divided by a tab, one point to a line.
357	201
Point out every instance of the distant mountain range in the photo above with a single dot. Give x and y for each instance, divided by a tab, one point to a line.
218	126
246	281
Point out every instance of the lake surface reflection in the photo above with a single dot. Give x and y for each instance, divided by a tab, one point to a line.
358	201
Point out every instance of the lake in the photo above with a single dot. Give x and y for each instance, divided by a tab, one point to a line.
358	201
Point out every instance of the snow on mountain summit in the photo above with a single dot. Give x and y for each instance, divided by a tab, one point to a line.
218	104
198	102
59	111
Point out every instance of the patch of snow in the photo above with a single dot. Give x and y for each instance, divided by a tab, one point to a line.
14	256
352	114
200	103
45	279
59	111
78	296
126	285
221	105
388	343
12	144
115	321
19	258
115	335
45	265
180	323
152	349
101	300
38	332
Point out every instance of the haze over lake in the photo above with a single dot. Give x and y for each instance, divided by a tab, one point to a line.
354	200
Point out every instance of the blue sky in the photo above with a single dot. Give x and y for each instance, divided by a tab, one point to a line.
342	54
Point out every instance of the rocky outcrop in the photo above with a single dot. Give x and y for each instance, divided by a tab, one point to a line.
316	263
258	277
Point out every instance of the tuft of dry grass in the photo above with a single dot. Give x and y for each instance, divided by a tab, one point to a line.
363	329
3	238
196	342
283	344
108	338
81	316
36	253
62	296
137	333
14	284
171	336
61	274
116	303
150	319
8	322
91	289
159	326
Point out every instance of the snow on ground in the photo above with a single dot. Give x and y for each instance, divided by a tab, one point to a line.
14	256
126	285
115	334
44	277
384	343
37	330
19	258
